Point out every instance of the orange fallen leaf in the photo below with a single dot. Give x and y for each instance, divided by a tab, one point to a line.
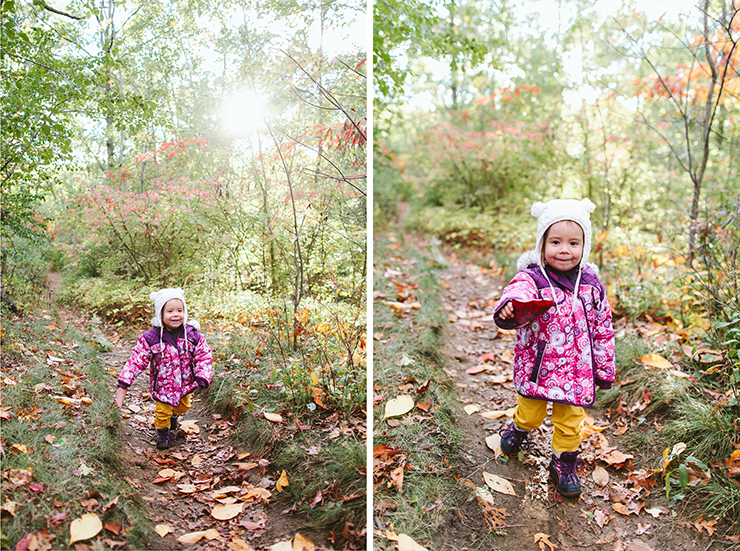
238	544
600	476
302	543
656	360
84	528
192	537
544	540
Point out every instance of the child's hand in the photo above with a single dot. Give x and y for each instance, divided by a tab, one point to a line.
120	396
507	312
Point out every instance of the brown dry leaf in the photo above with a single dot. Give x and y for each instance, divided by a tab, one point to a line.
187	488
498	484
274	417
211	534
282	481
226	512
192	537
397	478
238	544
637	545
708	525
405	543
601	518
656	360
544	540
398	406
189	427
471	409
302	543
621	509
84	528
163	530
600	476
196	460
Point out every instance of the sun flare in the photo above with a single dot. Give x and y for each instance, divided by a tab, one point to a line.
243	113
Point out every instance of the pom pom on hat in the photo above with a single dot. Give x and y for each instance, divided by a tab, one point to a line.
160	298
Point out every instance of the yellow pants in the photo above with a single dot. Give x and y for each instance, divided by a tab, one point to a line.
566	419
163	412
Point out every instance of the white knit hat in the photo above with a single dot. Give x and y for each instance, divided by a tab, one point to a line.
160	298
559	210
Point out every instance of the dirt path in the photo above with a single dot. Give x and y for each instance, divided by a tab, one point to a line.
208	472
479	359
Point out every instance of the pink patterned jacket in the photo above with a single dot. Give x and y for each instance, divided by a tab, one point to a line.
563	353
175	369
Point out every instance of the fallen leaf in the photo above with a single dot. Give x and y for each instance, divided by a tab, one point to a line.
226	512
600	476
189	427
163	530
114	527
496	414
405	543
238	544
302	543
192	537
498	484
471	409
187	488
621	509
84	528
494	443
544	540
656	360
211	534
281	546
282	481
655	511
398	406
274	417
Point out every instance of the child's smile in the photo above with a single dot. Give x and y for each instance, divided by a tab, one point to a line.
564	245
173	313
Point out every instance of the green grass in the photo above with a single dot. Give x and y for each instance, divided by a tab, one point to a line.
410	353
59	439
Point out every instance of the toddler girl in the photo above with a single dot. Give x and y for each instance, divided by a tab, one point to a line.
565	343
178	358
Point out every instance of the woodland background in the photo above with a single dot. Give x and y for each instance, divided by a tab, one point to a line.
214	146
480	110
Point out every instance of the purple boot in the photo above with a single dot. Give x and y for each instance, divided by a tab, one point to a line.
164	439
563	473
513	439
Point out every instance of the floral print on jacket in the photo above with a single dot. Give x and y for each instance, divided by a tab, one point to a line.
175	368
564	353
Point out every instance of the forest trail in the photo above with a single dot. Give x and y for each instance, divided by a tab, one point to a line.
206	493
625	514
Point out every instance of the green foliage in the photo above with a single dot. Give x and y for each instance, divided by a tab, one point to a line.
25	264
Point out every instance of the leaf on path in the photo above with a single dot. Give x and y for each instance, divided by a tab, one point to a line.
163	530
282	481
497	413
189	427
498	484
600	476
707	525
621	509
274	417
398	406
637	545
471	409
187	488
494	443
642	529
226	512
601	517
211	534
84	528
655	511
114	527
192	537
478	369
302	543
281	546
656	360
238	544
405	543
544	540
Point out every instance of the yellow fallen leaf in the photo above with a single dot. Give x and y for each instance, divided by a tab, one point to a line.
274	417
656	360
302	543
495	414
192	537
84	528
621	509
238	544
471	409
187	488
494	443
398	406
498	484
226	512
405	543
167	473
281	546
163	530
282	481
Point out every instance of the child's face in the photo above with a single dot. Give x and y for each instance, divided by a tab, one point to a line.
173	312
563	246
